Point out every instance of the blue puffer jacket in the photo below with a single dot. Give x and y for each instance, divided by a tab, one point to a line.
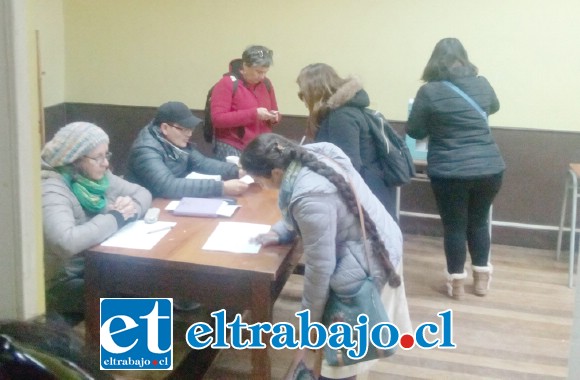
460	140
331	235
161	168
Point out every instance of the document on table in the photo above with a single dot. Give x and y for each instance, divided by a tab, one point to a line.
196	175
235	237
224	210
139	235
247	179
422	145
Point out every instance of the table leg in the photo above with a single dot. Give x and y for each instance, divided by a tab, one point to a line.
562	217
261	312
574	185
92	302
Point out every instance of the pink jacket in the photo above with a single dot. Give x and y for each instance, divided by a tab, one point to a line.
229	112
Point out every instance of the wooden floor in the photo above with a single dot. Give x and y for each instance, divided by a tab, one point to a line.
521	330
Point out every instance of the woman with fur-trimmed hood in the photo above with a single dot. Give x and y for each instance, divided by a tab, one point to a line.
336	115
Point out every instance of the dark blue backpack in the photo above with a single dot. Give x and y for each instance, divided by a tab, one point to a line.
394	156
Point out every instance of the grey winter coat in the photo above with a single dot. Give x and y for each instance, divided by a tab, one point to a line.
460	140
331	235
161	167
69	229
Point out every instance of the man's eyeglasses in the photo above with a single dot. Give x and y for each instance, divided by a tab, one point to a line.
185	131
101	159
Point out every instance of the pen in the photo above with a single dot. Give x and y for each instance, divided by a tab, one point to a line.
160	229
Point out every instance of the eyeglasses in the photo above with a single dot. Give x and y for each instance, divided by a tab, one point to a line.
185	131
264	52
101	159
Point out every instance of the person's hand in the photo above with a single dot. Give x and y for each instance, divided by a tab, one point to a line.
264	114
269	238
126	206
234	187
277	119
241	173
296	360
301	362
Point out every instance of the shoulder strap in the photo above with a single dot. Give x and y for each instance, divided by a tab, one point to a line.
235	80
268	84
376	116
466	97
363	229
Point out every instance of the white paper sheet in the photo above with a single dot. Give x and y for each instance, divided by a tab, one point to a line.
247	179
227	210
422	145
171	205
196	175
139	235
235	237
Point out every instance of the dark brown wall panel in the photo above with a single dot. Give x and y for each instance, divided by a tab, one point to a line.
536	160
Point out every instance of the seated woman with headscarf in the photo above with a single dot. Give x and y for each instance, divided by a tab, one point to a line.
83	204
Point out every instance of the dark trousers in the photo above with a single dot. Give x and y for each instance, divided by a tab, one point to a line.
65	300
386	194
464	208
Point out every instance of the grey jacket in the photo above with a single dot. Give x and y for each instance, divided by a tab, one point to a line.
460	141
161	167
69	229
331	235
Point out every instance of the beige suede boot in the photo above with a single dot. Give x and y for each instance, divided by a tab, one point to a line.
481	279
456	285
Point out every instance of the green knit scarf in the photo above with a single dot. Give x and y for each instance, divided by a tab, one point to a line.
90	194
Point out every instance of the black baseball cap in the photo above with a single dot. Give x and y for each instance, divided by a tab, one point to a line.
176	112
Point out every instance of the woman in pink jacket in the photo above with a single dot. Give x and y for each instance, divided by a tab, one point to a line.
241	111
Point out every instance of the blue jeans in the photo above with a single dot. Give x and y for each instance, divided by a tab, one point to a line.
464	208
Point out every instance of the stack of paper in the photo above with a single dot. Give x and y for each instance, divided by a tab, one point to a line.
225	209
201	207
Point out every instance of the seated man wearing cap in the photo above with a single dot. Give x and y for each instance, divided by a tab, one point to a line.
162	156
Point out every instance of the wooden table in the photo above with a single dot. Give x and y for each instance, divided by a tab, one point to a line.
177	267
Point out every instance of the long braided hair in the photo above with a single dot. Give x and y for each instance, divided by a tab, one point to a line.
271	151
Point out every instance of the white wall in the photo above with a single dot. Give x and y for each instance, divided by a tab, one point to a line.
144	52
47	18
21	271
